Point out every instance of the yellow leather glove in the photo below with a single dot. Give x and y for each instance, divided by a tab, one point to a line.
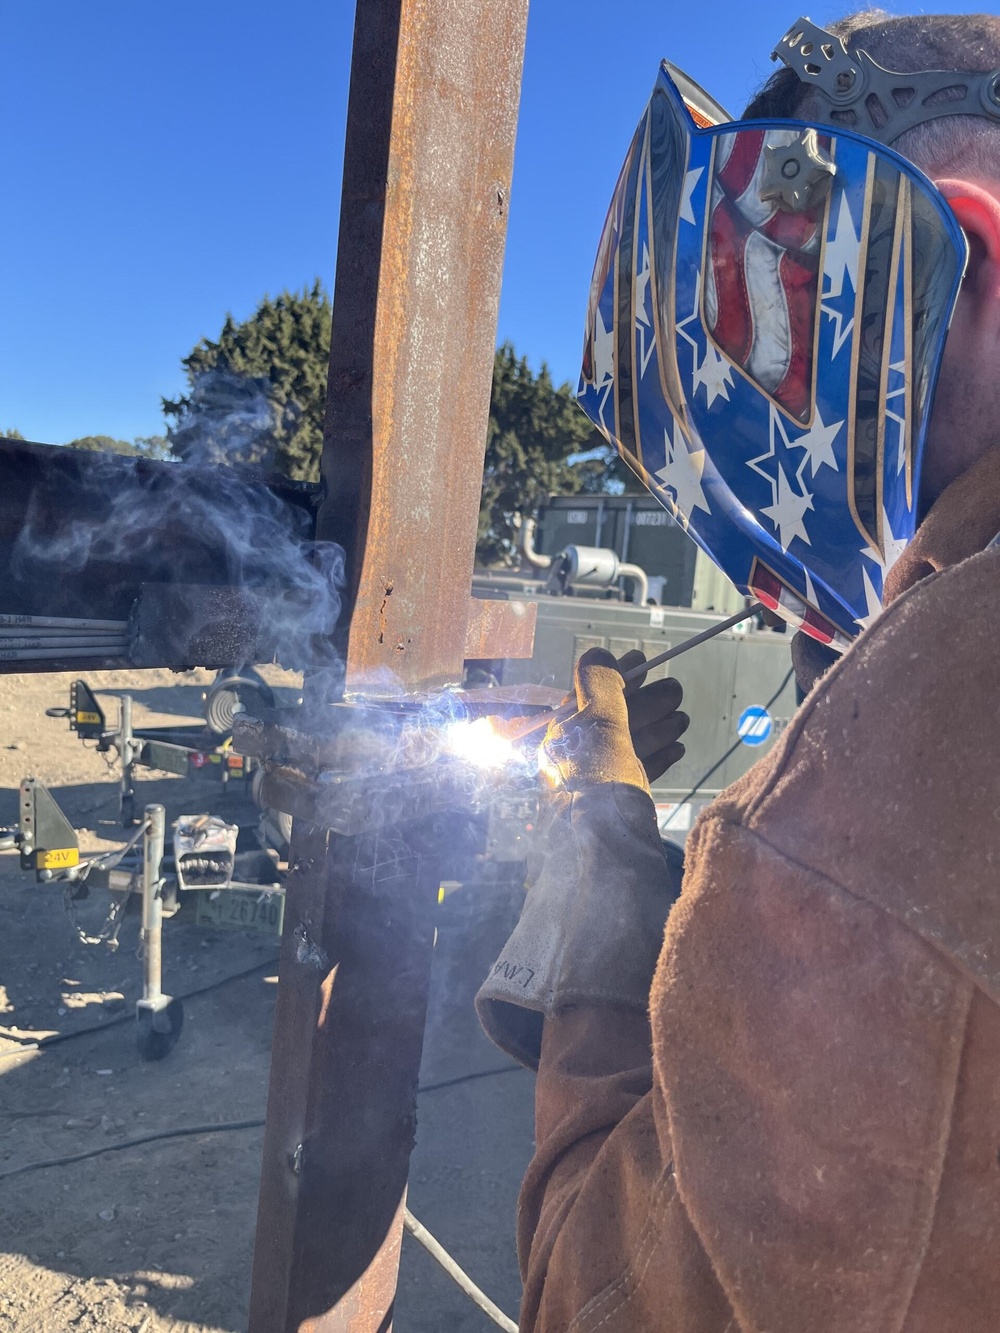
592	924
599	743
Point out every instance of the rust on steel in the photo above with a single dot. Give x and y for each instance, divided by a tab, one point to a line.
340	1117
426	188
500	629
430	137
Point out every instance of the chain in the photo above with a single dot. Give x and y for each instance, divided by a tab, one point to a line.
112	922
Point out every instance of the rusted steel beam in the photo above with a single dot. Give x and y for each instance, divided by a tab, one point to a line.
430	137
340	1116
430	140
500	629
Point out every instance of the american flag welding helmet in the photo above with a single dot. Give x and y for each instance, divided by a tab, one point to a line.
766	322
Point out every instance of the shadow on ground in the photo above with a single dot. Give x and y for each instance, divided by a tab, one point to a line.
164	1232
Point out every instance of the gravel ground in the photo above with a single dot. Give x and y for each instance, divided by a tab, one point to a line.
157	1238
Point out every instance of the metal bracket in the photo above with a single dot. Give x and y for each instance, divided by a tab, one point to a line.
855	91
797	175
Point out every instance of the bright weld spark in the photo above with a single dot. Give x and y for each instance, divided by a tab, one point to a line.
478	742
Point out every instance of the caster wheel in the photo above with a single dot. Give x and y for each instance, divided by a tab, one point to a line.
158	1026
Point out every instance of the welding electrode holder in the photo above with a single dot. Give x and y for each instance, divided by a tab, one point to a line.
520	730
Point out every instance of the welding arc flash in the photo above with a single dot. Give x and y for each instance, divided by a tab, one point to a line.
478	742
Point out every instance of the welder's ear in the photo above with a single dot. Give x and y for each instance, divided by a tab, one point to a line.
978	213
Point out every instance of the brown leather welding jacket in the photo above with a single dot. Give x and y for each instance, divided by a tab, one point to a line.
805	1137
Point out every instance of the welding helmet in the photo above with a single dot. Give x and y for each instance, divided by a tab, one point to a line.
766	322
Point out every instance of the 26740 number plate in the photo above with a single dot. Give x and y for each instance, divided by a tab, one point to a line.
238	909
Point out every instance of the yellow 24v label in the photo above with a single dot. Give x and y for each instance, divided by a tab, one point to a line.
58	859
89	720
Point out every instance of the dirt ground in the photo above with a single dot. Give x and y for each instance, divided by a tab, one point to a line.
158	1237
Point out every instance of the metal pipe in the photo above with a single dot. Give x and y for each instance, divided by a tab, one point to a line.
58	632
126	752
113	649
518	731
638	576
528	528
60	622
457	1274
9	642
428	156
152	901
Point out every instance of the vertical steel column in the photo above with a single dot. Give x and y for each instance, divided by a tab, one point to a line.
126	754
430	136
152	904
430	141
159	1017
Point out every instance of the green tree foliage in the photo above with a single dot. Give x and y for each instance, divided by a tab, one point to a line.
144	446
538	443
257	395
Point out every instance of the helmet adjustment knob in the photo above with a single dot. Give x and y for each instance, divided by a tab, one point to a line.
797	175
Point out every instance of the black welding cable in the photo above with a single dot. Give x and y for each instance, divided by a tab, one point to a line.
186	1132
31	1044
470	1078
719	762
216	1128
416	1228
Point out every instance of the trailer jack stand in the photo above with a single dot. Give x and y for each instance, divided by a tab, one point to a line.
159	1017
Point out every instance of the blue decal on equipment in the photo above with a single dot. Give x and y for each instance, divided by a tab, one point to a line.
754	726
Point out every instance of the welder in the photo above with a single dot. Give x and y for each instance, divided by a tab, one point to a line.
775	1105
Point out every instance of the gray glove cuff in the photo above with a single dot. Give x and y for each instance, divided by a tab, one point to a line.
592	925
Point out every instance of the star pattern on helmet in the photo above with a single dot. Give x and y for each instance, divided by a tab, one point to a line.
709	370
840	267
691	179
788	507
604	365
840	261
683	474
897	376
643	313
893	547
873	602
818	442
788	511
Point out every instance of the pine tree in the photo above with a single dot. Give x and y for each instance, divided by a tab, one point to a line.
536	432
257	395
143	446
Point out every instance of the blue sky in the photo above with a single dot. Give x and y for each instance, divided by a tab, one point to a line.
164	164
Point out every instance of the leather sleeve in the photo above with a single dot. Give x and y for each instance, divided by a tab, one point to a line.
603	1240
808	1047
780	1165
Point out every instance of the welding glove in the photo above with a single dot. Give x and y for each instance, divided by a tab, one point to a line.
592	924
654	722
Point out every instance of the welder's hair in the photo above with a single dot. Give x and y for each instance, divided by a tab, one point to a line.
966	145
